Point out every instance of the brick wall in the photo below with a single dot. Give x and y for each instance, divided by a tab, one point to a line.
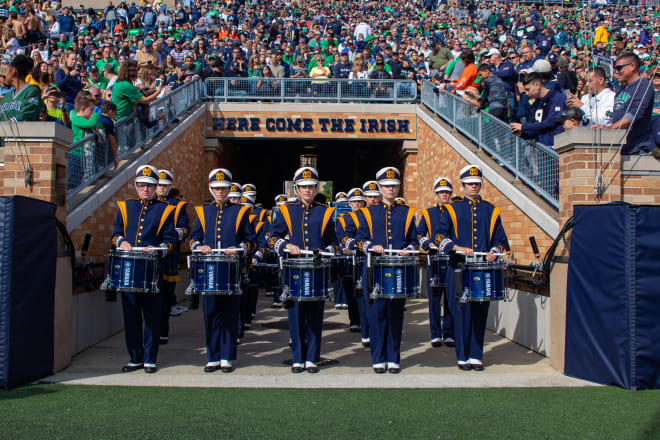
185	157
435	158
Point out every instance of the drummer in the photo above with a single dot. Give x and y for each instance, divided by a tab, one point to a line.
221	224
475	226
307	225
386	224
431	230
251	292
341	302
146	223
165	193
346	228
273	286
250	191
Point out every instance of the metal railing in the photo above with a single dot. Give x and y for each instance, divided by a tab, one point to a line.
535	164
392	91
91	157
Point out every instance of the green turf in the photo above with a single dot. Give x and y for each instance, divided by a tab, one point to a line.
95	412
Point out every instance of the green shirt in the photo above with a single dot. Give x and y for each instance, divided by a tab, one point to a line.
79	125
22	106
102	82
124	95
100	64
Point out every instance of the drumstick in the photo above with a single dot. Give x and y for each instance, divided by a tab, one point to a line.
396	251
483	254
306	252
237	249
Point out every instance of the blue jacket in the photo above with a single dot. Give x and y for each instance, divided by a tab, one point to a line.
223	224
386	226
306	226
474	224
433	227
145	223
544	118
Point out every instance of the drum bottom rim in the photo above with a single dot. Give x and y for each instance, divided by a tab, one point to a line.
134	290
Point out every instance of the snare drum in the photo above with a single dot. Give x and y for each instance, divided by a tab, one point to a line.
484	281
395	277
306	279
214	274
132	271
437	269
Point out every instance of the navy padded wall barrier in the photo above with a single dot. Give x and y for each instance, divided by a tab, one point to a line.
613	296
28	254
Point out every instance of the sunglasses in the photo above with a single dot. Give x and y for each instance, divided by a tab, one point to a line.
620	67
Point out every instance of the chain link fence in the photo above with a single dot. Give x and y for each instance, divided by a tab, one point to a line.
535	164
92	156
390	91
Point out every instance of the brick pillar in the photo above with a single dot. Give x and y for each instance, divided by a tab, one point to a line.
587	159
46	145
409	173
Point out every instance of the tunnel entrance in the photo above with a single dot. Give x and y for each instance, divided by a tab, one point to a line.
269	163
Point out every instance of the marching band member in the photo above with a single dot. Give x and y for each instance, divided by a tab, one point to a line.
170	262
250	191
235	193
475	226
341	301
386	224
430	233
347	225
273	278
304	224
143	222
221	224
249	300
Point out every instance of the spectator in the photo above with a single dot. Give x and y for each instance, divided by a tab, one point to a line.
598	104
55	104
68	79
147	55
24	103
40	76
633	105
439	58
380	89
109	74
543	119
124	93
493	94
320	72
572	118
4	87
567	79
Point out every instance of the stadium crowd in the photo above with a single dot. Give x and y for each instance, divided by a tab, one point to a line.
531	65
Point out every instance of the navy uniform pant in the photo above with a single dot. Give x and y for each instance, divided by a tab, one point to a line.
142	341
351	301
385	329
470	330
168	292
340	293
440	326
221	322
364	318
469	322
305	326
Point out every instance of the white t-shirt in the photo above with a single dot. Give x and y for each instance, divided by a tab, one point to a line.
598	109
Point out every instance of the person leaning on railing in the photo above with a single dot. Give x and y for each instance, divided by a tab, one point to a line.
124	93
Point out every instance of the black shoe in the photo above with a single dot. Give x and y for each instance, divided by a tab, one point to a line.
436	342
163	341
465	367
366	344
194	302
394	370
297	369
354	329
150	370
211	368
449	342
227	369
276	305
477	367
130	368
312	369
379	370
